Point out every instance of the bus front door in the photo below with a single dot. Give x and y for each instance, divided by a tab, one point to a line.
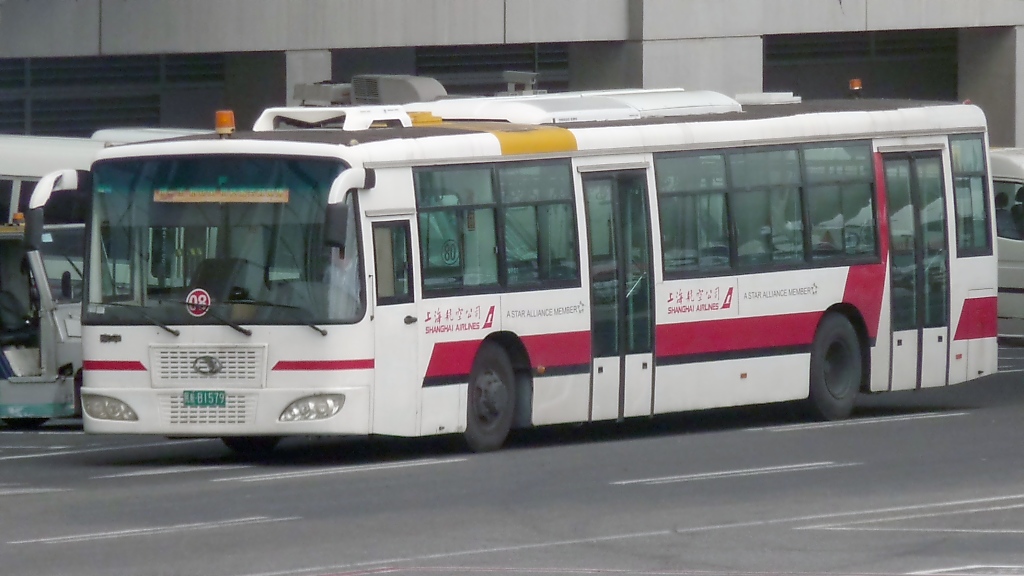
919	269
619	235
396	326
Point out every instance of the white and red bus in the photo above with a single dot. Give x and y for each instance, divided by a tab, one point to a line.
468	267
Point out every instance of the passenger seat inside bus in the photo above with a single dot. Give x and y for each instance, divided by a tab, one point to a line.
228	279
16	327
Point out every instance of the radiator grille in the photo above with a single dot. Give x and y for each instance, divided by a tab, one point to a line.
238	409
236	366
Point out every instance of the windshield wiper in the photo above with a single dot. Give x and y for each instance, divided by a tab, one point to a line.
141	311
209	310
285	307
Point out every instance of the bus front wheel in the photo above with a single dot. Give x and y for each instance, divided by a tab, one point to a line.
24	423
835	369
492	399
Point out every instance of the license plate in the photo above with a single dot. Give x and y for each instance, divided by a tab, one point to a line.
205	398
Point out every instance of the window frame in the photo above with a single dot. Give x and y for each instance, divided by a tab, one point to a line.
731	192
500	207
987	194
390	225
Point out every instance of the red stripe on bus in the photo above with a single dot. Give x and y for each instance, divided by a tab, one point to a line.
324	365
548	350
452	358
865	285
562	349
977	319
736	334
114	365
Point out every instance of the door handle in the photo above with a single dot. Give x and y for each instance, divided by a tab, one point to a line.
410	319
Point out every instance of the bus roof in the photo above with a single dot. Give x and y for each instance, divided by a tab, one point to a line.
787	122
36	156
1007	163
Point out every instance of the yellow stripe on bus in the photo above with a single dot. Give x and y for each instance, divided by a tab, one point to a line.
522	138
535	140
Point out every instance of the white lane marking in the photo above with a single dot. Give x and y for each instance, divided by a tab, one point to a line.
104	449
171	470
12	447
43	432
967	569
949	530
156	530
735	473
345	470
857	422
913	517
614	537
595	540
28	491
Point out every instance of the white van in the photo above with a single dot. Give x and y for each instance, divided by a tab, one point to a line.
1008	183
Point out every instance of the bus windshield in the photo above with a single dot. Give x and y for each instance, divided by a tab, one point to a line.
199	239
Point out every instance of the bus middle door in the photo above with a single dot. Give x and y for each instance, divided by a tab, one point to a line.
618	224
919	269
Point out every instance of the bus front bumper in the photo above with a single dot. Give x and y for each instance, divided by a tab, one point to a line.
248	412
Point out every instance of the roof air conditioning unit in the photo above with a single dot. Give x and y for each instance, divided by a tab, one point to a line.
323	94
395	89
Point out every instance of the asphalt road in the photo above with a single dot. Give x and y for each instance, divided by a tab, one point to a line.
928	482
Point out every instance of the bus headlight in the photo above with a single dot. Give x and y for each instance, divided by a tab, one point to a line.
107	408
316	407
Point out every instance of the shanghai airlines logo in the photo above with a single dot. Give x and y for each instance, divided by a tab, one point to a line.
695	301
489	321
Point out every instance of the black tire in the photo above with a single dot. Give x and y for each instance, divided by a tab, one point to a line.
836	369
492	399
24	423
251	445
78	394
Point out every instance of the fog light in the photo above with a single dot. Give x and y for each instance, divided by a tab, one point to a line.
317	407
106	408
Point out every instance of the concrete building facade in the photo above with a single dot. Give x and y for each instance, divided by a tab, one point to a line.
68	67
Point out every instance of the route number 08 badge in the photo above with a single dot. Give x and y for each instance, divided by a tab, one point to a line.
198	302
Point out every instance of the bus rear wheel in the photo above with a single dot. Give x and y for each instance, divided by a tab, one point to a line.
251	445
492	399
836	369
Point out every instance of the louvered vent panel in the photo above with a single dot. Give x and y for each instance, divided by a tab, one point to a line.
105	71
792	48
12	73
237	366
365	89
12	116
478	69
83	116
194	68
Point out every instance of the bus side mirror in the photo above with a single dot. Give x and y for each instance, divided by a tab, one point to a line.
336	225
336	220
59	181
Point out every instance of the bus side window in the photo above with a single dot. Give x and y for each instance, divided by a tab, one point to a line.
1008	211
6	190
392	263
25	194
